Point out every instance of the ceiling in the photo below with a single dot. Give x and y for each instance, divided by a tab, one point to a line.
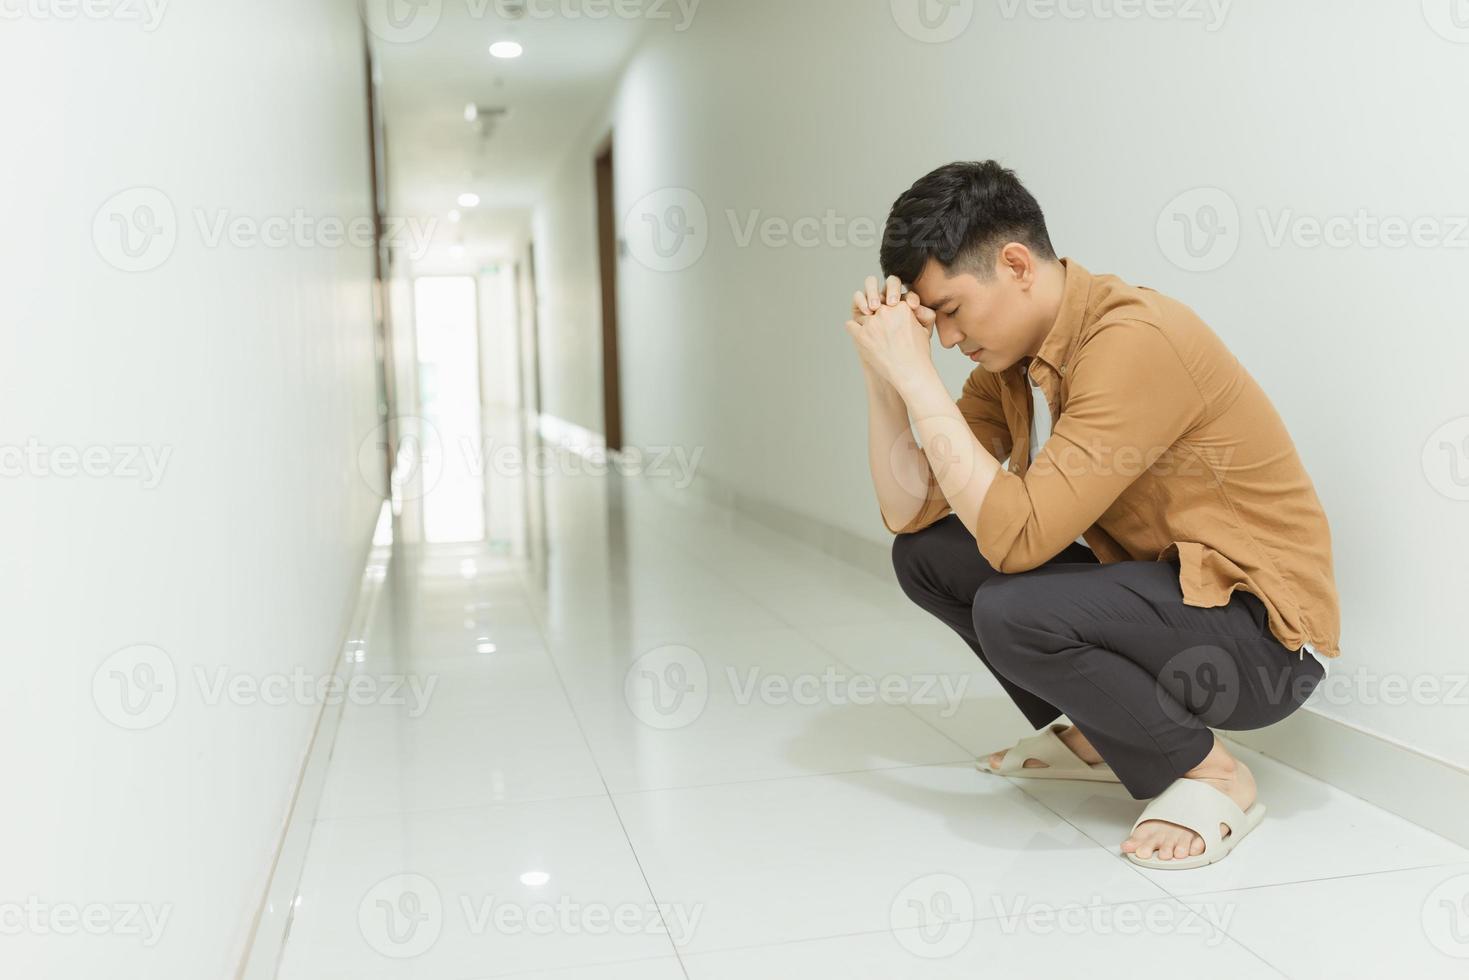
552	93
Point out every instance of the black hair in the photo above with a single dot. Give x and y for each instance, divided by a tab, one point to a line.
961	214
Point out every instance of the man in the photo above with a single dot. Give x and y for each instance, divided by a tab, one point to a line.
1152	562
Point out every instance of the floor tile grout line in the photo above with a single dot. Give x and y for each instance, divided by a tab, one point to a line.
621	823
1230	937
1314	881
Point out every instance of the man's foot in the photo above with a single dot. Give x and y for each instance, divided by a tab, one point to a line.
1070	737
1166	841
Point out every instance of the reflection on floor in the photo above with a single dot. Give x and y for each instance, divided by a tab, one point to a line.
674	744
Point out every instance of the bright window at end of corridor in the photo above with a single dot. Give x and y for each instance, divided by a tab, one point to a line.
449	392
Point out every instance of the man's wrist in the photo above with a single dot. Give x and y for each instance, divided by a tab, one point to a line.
879	387
919	384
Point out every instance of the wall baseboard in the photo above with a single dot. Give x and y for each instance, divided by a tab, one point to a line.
1422	789
273	919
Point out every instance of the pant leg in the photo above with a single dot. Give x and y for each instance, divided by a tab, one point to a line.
940	569
1142	675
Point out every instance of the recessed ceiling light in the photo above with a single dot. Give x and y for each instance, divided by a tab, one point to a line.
469	200
471	112
506	49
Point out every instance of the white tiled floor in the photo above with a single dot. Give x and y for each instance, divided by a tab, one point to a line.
668	768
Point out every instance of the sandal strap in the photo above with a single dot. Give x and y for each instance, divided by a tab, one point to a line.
1046	746
1198	806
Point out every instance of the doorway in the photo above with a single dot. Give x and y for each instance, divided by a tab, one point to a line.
607	254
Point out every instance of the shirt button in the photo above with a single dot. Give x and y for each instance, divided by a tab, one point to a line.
1063	369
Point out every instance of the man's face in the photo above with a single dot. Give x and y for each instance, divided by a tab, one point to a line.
988	320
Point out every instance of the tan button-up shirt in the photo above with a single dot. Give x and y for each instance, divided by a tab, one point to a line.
1163	445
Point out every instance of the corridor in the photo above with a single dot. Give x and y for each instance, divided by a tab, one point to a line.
453	454
686	746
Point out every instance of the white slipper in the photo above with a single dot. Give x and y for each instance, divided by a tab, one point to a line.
1060	761
1194	804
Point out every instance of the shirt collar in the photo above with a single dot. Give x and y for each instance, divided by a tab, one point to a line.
1057	347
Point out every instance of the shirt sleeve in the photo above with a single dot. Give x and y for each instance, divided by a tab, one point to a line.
1131	399
979	403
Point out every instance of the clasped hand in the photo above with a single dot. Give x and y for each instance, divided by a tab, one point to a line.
891	332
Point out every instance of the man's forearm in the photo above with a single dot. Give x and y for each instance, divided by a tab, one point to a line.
894	458
963	468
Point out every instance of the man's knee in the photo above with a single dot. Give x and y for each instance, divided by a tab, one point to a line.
1002	607
910	556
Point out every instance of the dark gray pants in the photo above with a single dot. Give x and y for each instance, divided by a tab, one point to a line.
1141	675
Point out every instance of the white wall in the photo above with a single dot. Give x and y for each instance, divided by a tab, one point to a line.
252	367
565	236
1310	108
